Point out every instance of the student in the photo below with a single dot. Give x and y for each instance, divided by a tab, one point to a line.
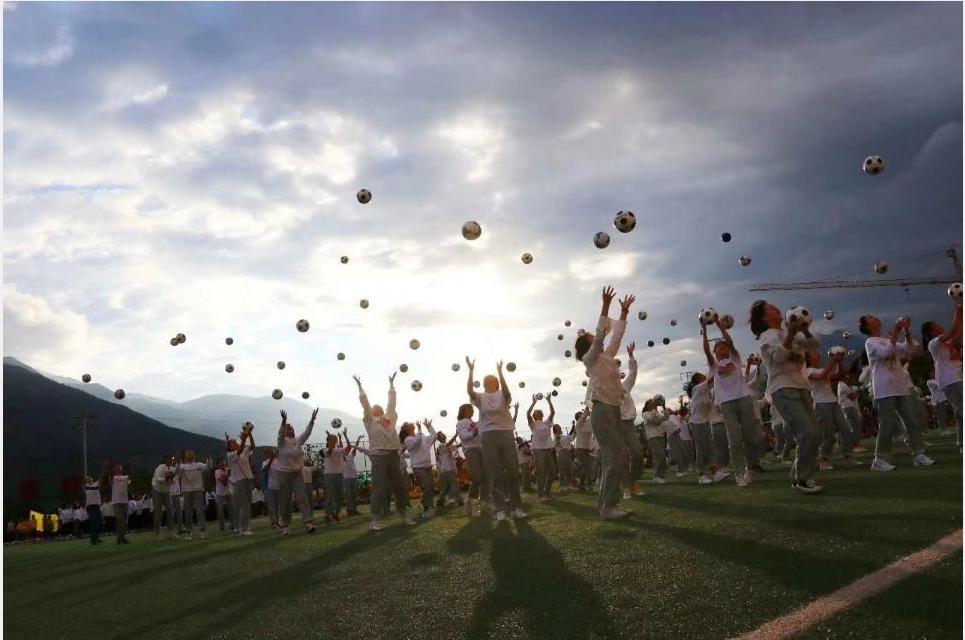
938	402
718	432
524	457
563	446
445	458
92	498
498	446
119	497
257	500
468	432
628	428
848	401
584	445
290	463
161	495
830	417
269	480
419	447
384	452
782	350
350	477
334	478
890	383
673	427
541	442
222	495
308	478
654	422
701	404
946	352
240	475
192	490
606	393
736	404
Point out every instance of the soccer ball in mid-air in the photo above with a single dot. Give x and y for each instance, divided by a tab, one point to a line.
567	353
181	338
567	323
955	291
414	344
364	196
455	366
364	303
725	236
247	426
281	364
416	385
881	267
585	383
443	413
557	382
340	356
174	341
798	316
554	393
527	258
305	395
230	368
510	366
673	323
276	394
559	336
624	221
873	165
666	340
119	394
471	230
683	363
708	315
744	260
829	315
302	325
836	351
642	315
344	259
650	343
403	367
601	240
85	377
727	321
229	341
539	396
846	335
336	423
522	385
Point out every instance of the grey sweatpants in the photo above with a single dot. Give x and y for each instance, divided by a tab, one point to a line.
745	440
586	468
334	493
423	475
679	451
499	463
386	480
954	394
564	462
718	431
605	421
450	488
241	503
120	520
892	412
658	450
780	437
271	503
193	506
289	483
854	419
351	491
831	421
176	507
631	438
703	446
545	464
223	505
797	409
161	501
477	478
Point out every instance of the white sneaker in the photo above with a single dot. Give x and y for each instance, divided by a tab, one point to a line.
807	486
658	481
705	480
406	520
246	532
286	531
613	513
501	516
518	513
741	480
721	475
376	525
921	460
188	537
880	465
681	474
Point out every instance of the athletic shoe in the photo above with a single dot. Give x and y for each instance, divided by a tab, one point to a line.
286	531
681	474
188	537
721	474
880	465
705	479
613	513
406	520
246	532
659	481
921	460
858	449
518	514
376	525
310	528
544	499
501	516
741	480
807	486
825	466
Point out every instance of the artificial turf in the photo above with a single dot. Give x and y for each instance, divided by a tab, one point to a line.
692	562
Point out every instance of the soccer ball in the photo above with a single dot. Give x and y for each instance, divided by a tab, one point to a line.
683	363
522	385
873	165
416	385
744	260
836	351
305	395
559	336
181	338
455	366
229	341
510	366
666	340
336	423
85	377
247	426
174	342
557	382
584	383
846	335
798	316
955	291
624	221
302	325
850	353
471	230
364	196
364	303
727	321
340	356
567	353
567	323
708	315
725	236
403	367
230	368
539	396
829	315
281	364
601	240
527	258
673	323
475	384
344	259
650	343
276	394
642	315
119	394
554	393
881	267
414	344
443	413
581	332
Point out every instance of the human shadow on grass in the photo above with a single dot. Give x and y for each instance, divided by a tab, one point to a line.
535	587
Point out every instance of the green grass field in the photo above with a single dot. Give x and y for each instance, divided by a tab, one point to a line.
692	562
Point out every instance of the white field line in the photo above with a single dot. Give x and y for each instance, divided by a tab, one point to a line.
843	599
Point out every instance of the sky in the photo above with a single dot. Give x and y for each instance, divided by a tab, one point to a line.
193	167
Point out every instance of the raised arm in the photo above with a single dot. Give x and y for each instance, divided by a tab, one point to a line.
703	338
502	383
549	400
470	365
619	327
727	338
281	429
515	412
308	429
390	407
529	412
631	378
364	401
956	330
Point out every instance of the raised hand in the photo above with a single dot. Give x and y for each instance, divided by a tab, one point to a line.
427	422
284	415
314	414
626	302
630	349
470	363
357	381
608	295
499	367
392	378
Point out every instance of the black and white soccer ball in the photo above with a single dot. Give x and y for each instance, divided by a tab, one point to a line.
567	354
416	385
559	336
302	325
305	395
510	366
364	196
522	385
539	396
873	165
727	321
276	394
642	315
708	315
585	383
364	303
846	335
666	340
403	367
567	323
475	384
280	364
527	258
955	291
557	382
683	363
798	316
673	323
471	230
339	356
455	366
181	338
85	377
624	221
174	341
601	240
881	267
725	236
837	351
229	341
336	423
230	368
414	344
119	394
650	343
554	393
443	413
829	315
744	260
344	259
247	426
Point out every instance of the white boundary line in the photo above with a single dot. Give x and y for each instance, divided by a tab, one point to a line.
846	597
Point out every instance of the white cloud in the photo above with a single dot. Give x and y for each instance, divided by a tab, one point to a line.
60	50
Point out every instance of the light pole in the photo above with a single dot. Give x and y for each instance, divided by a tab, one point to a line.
84	422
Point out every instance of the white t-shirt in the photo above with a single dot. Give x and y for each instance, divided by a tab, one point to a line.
239	465
257	495
349	469
335	461
653	423
119	488
191	476
843	399
272	475
468	434
729	383
494	412
445	459
888	377
782	370
80	514
163	475
947	370
222	484
420	449
521	456
307	475
584	431
92	494
820	389
542	437
563	443
701	403
684	428
66	515
937	394
673	424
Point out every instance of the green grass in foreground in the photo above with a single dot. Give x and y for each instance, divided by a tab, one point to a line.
693	562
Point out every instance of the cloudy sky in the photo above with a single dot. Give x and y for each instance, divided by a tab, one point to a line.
193	168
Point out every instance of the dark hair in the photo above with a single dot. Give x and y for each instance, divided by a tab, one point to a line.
756	318
926	329
465	410
581	346
694	382
402	431
863	325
